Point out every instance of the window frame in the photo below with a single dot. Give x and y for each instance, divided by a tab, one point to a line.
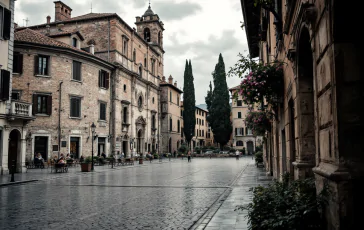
5	26
17	63
239	102
79	71
37	70
74	42
45	105
79	100
104	79
102	117
239	115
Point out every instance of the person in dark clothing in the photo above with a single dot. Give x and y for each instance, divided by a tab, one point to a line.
174	154
189	156
103	155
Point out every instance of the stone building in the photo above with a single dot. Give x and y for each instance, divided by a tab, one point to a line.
199	139
171	122
69	89
317	126
14	114
242	137
137	54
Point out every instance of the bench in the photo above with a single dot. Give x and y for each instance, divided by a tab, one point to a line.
129	161
60	168
34	165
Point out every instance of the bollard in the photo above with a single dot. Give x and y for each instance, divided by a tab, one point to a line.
12	171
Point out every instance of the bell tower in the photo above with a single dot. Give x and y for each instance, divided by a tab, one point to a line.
150	28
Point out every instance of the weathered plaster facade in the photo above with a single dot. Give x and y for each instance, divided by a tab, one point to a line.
315	133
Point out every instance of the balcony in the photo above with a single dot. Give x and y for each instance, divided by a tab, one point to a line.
20	110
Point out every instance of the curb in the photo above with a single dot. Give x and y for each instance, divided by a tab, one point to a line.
18	182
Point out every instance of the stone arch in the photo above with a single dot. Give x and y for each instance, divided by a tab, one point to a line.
14	150
305	104
146	34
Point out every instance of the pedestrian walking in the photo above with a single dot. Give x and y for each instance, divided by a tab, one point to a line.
237	153
174	154
189	156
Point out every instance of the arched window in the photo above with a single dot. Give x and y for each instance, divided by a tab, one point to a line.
140	71
134	55
239	143
124	88
153	100
170	124
160	38
147	34
178	126
74	42
145	62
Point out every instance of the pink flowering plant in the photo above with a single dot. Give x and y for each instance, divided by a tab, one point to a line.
258	122
263	82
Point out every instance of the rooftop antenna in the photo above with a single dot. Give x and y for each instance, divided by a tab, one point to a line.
91	6
149	3
26	21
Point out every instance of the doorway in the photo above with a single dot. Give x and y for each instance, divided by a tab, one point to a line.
14	150
125	147
284	156
139	142
101	145
41	146
75	147
250	147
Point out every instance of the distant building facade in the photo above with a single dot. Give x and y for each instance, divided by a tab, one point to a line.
171	122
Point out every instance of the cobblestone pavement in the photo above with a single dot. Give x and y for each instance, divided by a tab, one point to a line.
173	195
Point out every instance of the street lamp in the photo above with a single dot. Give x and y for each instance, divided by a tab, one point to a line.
93	128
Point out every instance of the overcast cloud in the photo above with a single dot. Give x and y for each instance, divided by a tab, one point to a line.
197	29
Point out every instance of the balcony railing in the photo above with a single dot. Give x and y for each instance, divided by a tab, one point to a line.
23	109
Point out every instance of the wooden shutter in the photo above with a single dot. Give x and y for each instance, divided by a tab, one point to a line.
20	63
7	24
49	105
107	80
35	104
100	78
242	131
236	131
36	64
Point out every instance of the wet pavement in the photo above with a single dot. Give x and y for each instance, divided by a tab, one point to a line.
171	195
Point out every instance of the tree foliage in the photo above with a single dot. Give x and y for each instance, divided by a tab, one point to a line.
208	101
189	116
219	109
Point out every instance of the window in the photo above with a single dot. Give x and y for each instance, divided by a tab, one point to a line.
76	71
196	132
75	107
134	55
15	95
239	114
203	133
153	121
249	132
5	23
170	124
4	85
102	111
200	133
197	112
160	38
145	62
41	65
74	42
239	103
125	115
177	100
239	143
239	131
170	96
18	63
203	122
147	34
42	104
178	126
124	88
140	102
140	71
153	66
125	47
104	79
182	132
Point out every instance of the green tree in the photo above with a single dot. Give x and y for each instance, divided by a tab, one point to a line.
208	100
220	106
189	116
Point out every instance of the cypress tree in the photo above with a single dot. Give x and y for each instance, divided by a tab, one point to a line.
220	106
208	101
189	116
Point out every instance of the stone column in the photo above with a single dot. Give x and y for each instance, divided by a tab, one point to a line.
21	164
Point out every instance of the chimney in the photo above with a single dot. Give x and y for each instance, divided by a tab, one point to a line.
170	79
62	11
15	25
48	19
92	49
48	29
175	84
163	78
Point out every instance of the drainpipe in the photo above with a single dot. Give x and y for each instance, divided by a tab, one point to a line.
108	41
59	118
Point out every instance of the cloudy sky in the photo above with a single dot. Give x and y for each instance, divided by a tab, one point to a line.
194	29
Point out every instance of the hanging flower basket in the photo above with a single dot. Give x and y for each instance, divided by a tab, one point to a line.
263	82
258	122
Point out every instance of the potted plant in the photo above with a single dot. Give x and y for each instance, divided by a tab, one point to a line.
86	165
